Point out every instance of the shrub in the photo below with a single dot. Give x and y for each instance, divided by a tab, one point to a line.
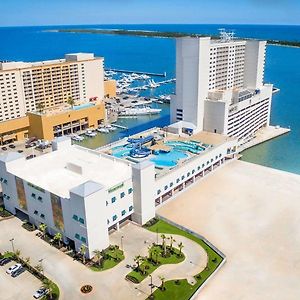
177	282
132	279
147	267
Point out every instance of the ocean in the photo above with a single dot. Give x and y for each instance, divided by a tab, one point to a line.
158	55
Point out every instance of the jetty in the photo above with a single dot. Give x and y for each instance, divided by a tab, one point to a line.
138	72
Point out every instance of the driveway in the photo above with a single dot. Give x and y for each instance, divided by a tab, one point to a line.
71	275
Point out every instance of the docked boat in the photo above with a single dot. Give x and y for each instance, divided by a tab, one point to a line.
153	84
103	130
90	133
77	138
142	111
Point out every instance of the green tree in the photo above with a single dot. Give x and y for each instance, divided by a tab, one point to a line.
164	246
150	253
40	106
39	268
180	246
83	249
47	284
71	101
98	255
172	240
58	238
43	228
156	253
138	259
162	286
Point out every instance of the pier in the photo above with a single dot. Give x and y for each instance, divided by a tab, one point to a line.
119	126
138	72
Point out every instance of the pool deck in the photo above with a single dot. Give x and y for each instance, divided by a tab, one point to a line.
251	213
263	135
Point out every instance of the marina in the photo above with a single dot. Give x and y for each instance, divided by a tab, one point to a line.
137	72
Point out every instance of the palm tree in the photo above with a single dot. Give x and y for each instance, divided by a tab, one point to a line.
47	284
58	238
150	253
40	107
18	253
43	228
98	255
164	244
180	246
27	260
70	101
39	268
156	252
162	286
83	249
138	259
172	240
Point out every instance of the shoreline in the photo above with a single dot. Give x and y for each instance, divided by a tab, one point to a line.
161	34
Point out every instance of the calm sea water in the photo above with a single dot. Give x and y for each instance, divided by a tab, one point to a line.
158	55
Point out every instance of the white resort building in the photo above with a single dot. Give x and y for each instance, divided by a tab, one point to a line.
83	194
220	86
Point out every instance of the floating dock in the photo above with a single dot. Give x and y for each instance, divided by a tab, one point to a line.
138	72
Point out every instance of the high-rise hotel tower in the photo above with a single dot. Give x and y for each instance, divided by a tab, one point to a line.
220	86
25	85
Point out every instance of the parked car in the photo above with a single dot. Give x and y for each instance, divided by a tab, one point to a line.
40	293
18	272
20	151
12	146
4	148
30	156
13	268
4	261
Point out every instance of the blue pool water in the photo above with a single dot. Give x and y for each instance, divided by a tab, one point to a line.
185	146
86	105
168	159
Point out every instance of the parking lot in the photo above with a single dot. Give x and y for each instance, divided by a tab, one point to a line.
20	287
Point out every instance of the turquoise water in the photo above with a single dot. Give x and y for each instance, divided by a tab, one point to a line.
158	55
168	159
185	146
86	105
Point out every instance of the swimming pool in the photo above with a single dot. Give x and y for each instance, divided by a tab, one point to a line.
81	106
168	159
190	146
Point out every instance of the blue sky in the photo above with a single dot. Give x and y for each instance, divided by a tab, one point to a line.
54	12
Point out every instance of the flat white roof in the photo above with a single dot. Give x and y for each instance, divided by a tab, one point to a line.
62	170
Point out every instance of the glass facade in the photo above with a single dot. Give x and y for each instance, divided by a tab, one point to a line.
57	212
21	193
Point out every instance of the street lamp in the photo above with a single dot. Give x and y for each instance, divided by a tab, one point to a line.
151	286
12	244
122	237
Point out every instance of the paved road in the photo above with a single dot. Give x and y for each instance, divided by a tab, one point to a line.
71	275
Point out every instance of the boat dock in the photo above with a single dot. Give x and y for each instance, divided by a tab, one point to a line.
138	72
119	126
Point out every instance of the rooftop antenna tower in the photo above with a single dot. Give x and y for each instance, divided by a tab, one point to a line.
226	36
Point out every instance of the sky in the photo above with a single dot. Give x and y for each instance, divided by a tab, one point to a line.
65	12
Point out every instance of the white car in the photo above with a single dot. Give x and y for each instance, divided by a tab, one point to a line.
40	293
13	268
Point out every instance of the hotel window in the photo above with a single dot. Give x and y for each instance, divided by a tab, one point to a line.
40	198
107	221
123	212
177	180
171	184
113	199
106	203
33	195
42	216
35	212
199	168
83	239
158	192
75	217
77	236
203	165
193	171
114	217
188	174
130	208
166	187
130	190
182	177
81	220
122	195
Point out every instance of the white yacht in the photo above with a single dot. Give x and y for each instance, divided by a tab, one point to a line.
153	84
103	130
90	133
139	111
77	138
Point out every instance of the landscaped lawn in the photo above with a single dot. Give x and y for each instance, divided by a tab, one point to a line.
155	260
114	257
181	289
